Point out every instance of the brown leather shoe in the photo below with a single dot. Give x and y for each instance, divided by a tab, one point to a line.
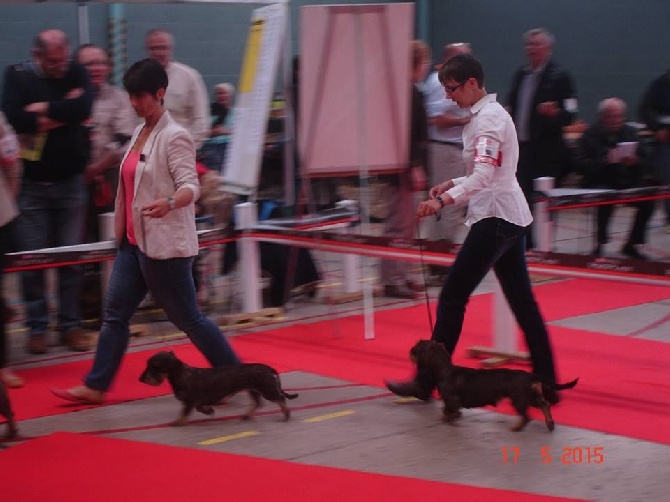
37	344
399	291
408	389
77	340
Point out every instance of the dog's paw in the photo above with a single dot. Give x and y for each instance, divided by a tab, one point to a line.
179	422
205	410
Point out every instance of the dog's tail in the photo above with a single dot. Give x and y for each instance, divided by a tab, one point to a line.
563	386
281	390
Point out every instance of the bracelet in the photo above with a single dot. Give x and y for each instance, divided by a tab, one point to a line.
440	200
171	204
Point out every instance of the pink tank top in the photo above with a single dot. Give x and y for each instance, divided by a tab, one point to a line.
128	170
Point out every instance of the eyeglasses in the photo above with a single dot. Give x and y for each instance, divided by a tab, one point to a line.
451	90
96	63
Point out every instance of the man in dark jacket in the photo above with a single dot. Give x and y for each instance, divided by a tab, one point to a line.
541	102
610	156
48	102
655	112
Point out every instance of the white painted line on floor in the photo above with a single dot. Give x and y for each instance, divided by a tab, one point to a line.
329	416
231	437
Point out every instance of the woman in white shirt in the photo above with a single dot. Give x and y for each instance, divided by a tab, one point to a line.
498	217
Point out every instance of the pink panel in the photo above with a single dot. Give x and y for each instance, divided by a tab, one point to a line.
355	88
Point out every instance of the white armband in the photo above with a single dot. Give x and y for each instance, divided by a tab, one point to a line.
487	151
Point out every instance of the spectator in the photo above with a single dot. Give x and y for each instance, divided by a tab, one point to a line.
445	147
10	181
400	196
213	152
186	97
603	166
112	124
542	101
156	233
655	112
48	101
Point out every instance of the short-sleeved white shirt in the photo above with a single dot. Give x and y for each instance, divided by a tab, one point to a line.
490	187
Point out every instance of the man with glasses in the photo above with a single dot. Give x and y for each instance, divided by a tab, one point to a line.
112	124
445	151
48	101
542	101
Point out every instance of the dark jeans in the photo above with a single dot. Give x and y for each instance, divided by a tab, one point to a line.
643	213
171	284
52	215
498	244
5	239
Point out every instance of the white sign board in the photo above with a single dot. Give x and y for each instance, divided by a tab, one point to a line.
252	104
355	88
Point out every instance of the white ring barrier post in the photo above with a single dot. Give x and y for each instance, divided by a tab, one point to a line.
542	225
106	225
246	216
352	262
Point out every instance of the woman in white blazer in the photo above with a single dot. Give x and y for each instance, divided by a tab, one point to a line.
155	230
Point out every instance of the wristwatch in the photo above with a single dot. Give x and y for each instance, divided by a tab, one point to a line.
171	204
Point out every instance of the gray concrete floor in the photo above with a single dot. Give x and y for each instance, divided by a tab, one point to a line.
344	424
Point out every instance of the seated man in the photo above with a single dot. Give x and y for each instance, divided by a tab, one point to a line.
605	165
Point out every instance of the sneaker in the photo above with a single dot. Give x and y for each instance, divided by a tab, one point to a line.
37	344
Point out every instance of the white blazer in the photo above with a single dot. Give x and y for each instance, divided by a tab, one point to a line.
167	163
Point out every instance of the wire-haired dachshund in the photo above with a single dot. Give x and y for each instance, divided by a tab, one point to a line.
6	411
201	388
462	387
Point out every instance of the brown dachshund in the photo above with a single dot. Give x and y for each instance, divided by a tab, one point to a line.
201	388
462	387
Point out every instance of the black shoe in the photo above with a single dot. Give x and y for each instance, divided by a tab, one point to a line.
408	389
631	251
597	251
399	291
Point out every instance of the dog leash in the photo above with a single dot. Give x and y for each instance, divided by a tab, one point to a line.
424	275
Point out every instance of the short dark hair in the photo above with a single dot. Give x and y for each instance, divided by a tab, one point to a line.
83	47
145	76
462	67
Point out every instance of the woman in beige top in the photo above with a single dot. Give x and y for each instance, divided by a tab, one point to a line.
155	230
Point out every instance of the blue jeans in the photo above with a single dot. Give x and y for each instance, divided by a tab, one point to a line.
171	284
498	244
52	215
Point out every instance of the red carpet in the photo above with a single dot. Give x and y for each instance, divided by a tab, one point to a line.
116	469
623	386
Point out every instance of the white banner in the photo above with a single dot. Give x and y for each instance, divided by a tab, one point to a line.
252	104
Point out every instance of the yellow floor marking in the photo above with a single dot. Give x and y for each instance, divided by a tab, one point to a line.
404	400
320	418
223	439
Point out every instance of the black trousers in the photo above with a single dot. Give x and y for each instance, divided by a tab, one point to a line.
643	212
